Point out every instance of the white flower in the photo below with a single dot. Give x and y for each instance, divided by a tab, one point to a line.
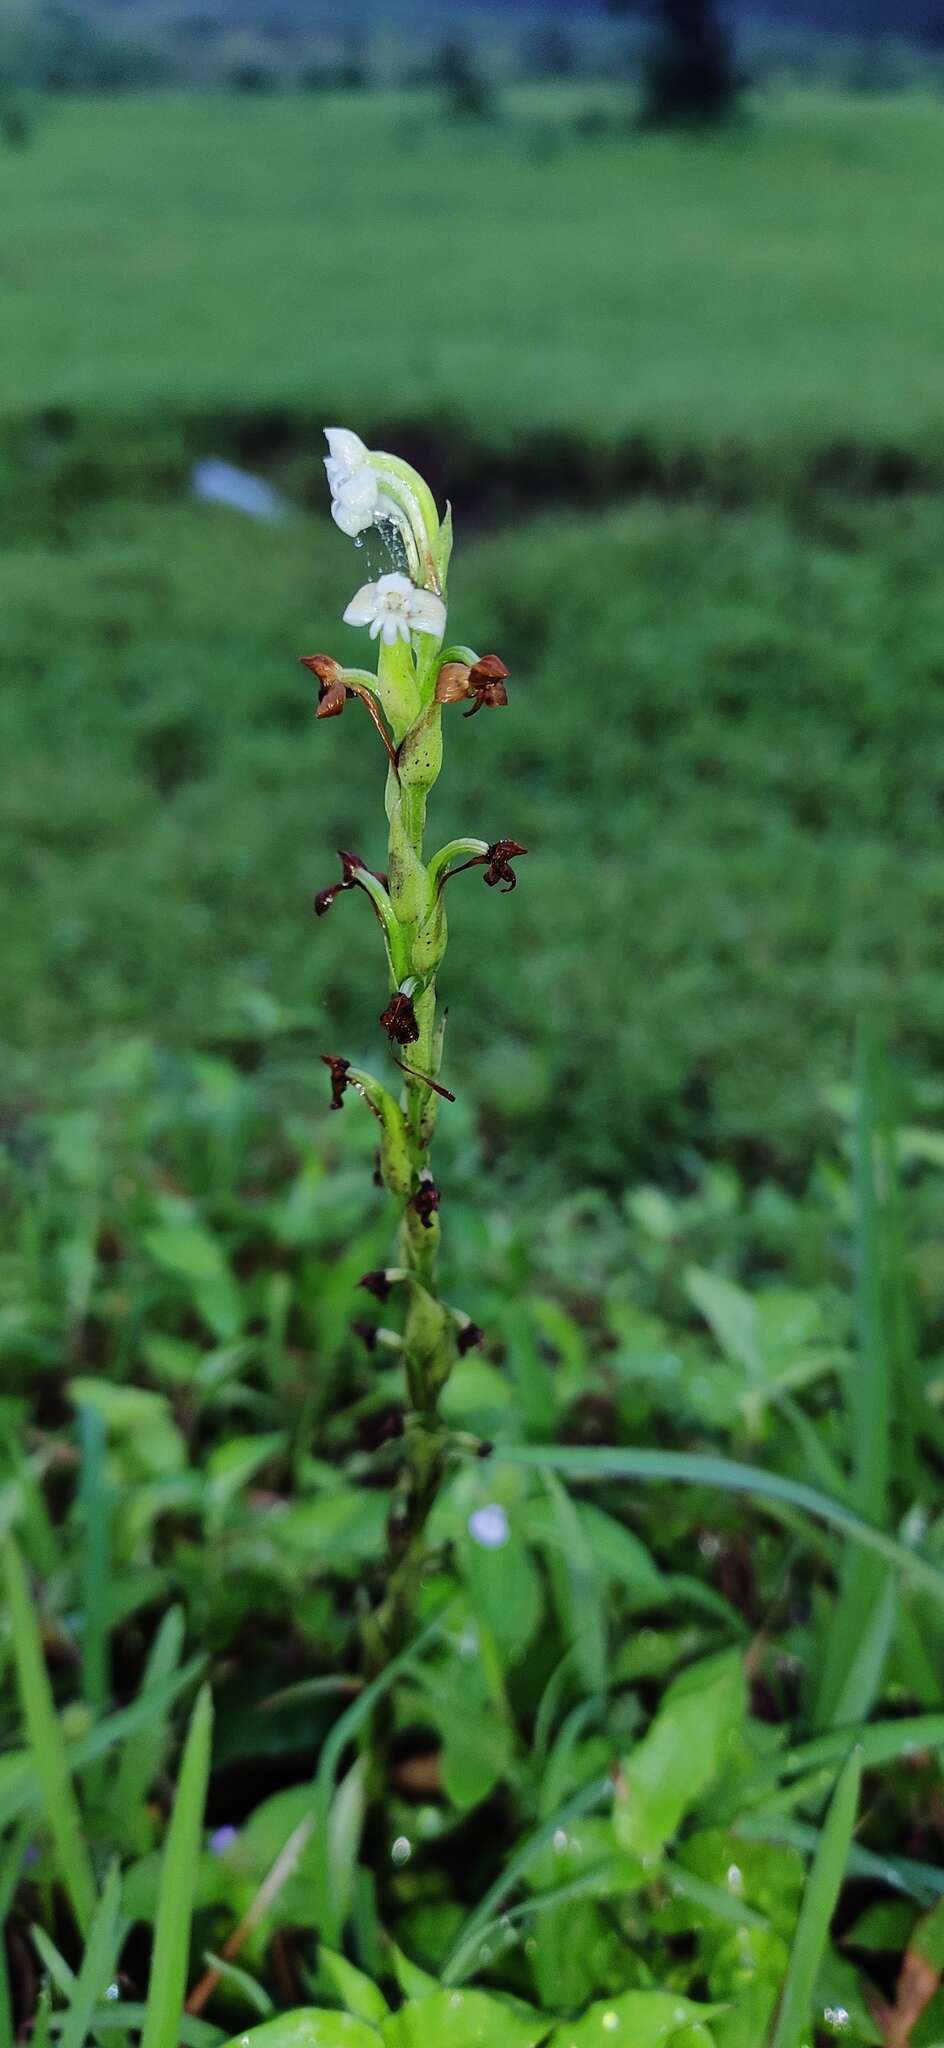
355	489
393	608
489	1527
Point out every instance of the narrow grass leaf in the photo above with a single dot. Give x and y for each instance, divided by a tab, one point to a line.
168	1979
49	1758
462	1955
11	1864
344	1731
847	1684
819	1903
98	1963
143	1751
94	1572
771	1489
25	1790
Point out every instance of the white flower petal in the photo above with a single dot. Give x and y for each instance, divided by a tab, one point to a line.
364	606
351	522
396	585
358	493
346	447
377	627
427	613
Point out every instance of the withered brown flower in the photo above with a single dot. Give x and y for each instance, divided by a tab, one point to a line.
484	680
426	1200
467	1337
376	1283
336	686
352	867
339	1072
330	674
399	1019
498	856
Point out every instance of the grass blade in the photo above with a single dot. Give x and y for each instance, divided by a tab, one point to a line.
461	1955
819	1904
168	1980
26	1789
143	1751
770	1489
10	1868
47	1747
98	1963
847	1685
93	1507
343	1732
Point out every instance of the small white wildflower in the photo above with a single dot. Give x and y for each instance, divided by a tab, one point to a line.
489	1527
355	489
393	608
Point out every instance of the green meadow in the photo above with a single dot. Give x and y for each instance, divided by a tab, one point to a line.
662	1766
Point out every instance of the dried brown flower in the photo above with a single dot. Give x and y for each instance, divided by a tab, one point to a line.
399	1019
339	1072
484	680
426	1200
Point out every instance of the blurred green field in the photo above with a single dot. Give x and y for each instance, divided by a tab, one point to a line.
722	747
361	256
725	719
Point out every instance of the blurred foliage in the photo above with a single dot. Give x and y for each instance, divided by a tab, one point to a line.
197	1451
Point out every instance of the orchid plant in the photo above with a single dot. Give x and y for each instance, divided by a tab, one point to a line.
417	678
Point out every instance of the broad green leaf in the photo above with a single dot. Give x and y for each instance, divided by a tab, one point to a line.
357	1992
504	1588
637	2019
309	2028
168	1979
193	1257
731	1315
683	1752
463	2019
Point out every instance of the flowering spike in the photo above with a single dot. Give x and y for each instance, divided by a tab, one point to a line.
416	676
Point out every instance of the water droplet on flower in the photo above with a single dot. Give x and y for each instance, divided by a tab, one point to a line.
402	1850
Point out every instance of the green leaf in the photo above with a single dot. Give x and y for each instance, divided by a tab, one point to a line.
463	2019
462	1955
637	2019
194	1258
357	1992
683	1752
309	2028
169	1960
49	1760
98	1963
816	1912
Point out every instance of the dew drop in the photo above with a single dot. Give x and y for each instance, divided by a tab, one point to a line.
610	2022
457	2001
735	1878
402	1850
560	1841
112	1991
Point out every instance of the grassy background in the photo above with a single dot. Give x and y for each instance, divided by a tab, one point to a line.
725	719
364	256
